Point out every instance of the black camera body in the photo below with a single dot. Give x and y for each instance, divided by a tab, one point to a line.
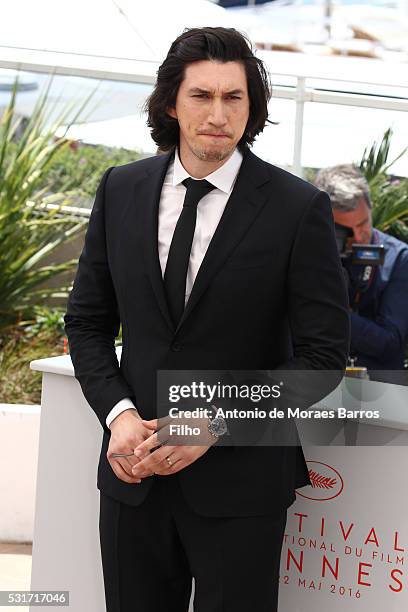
365	257
358	254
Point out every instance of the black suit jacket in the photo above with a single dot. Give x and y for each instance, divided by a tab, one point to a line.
269	293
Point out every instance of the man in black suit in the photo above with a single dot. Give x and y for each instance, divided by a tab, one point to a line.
211	259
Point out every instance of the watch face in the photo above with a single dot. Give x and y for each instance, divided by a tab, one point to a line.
218	426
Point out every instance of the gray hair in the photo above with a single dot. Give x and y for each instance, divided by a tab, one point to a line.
345	184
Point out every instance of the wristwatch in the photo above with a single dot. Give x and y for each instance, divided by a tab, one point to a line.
217	427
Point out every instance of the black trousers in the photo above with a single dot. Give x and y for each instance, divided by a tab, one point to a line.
151	552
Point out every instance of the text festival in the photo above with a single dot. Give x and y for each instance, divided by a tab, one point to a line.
333	556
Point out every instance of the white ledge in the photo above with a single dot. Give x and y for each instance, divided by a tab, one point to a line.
19	409
61	364
395	397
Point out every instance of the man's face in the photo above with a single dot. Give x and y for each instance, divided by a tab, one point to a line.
359	220
212	108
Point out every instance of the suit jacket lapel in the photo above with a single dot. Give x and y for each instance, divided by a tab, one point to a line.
147	193
243	206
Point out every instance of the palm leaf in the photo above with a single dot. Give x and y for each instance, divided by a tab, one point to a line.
389	196
29	229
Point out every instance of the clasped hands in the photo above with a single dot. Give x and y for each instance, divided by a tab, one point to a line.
156	448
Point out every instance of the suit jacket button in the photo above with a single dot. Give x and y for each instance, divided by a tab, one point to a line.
176	346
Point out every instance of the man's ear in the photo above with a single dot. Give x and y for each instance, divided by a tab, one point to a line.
172	112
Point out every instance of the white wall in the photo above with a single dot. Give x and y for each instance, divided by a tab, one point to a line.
19	435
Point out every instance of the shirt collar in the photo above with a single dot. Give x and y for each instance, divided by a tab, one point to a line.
223	178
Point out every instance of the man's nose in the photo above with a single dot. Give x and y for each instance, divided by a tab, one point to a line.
217	113
359	235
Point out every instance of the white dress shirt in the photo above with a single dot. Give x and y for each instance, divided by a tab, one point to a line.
209	212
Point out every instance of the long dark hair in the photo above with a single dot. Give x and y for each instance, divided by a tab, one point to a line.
196	44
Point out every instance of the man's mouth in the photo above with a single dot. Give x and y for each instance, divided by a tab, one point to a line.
214	135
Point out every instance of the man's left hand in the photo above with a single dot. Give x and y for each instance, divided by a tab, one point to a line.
158	456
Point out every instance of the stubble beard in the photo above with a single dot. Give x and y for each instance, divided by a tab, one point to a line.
209	155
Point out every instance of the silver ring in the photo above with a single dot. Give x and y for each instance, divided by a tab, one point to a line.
169	462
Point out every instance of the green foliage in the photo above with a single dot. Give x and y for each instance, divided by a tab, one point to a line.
40	174
19	384
399	230
42	336
374	160
46	319
81	167
29	230
389	196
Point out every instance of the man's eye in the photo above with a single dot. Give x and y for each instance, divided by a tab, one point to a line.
200	96
235	97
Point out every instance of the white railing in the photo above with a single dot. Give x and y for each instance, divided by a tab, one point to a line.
366	83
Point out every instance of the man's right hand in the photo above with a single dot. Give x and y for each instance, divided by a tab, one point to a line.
128	431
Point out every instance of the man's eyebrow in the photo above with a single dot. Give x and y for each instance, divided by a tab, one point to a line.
200	90
362	222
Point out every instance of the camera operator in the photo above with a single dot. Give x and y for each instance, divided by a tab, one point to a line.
377	275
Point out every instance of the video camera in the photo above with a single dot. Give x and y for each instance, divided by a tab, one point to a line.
365	259
358	254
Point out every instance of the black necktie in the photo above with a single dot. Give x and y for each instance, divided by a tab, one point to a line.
175	275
